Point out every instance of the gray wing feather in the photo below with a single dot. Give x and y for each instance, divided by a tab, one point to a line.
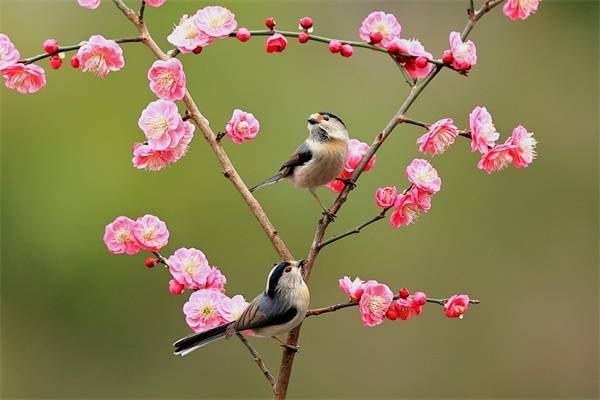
255	315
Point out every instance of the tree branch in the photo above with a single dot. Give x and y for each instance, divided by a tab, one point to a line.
257	359
356	230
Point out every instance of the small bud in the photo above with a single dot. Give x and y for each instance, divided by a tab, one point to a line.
175	288
197	50
376	37
346	50
447	57
150	262
74	62
335	46
393	49
55	62
303	37
404	293
270	23
421	62
243	34
306	23
392	313
420	298
50	46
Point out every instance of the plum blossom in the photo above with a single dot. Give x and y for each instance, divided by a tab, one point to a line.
483	131
242	126
421	198
456	306
187	36
118	236
438	138
161	124
411	306
91	4
421	174
155	3
374	303
354	289
145	157
150	232
406	211
215	21
520	9
417	67
176	288
356	151
24	78
9	55
379	21
189	267
337	185
385	197
167	79
276	43
231	308
524	144
497	158
100	56
464	53
202	309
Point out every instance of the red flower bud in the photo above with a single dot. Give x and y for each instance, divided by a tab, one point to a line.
303	37
306	23
404	293
175	288
150	262
376	37
197	50
335	46
243	34
346	50
394	49
50	46
74	62
270	23
447	57
55	62
421	62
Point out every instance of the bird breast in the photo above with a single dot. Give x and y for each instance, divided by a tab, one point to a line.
326	164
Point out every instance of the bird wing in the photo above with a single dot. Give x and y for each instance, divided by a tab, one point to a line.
255	315
301	156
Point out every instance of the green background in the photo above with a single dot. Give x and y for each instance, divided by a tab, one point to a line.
78	322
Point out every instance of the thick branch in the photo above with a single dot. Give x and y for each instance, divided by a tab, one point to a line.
257	359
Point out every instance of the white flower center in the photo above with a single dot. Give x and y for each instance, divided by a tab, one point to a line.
527	144
190	266
123	236
158	126
425	175
207	311
377	305
149	234
442	140
166	79
462	51
96	64
243	127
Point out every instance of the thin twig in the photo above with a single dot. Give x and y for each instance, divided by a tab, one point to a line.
404	120
257	359
142	8
356	230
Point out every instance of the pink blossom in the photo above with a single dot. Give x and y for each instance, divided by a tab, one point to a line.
187	36
524	144
242	126
464	53
179	149
374	303
151	233
379	21
155	3
408	308
438	138
415	69
202	309
189	267
385	197
483	131
9	55
161	124
100	56
276	43
497	158
118	236
406	211
91	4
421	174
354	289
175	288
216	280
231	309
356	151
520	9
456	306
215	21
337	185
420	198
145	157
167	79
24	78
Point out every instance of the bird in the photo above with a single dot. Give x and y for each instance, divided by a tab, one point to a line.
281	307
317	161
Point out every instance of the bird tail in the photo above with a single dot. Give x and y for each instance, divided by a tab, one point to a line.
267	182
192	342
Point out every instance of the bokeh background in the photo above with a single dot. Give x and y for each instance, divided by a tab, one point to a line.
78	322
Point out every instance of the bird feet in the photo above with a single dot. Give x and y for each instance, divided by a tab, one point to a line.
347	182
283	344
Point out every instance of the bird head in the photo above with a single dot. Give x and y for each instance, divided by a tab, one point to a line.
285	276
326	125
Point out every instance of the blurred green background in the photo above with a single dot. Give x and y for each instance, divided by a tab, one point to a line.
78	322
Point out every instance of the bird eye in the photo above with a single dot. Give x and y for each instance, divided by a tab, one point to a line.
288	269
326	118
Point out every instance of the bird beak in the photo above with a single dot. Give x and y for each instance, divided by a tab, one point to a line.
314	119
300	263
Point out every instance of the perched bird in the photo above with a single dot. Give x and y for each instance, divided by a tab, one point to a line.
279	309
320	159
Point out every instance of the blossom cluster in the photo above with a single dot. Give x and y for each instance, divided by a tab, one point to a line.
126	236
93	4
377	302
209	308
356	152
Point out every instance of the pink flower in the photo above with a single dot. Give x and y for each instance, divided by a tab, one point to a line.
354	289
187	36
420	198
374	303
385	197
497	158
409	307
167	79
407	210
145	157
151	233
155	3
337	185
161	124
415	67
100	56
118	236
231	309
421	174
464	53
215	21
179	148
242	126
379	21
483	131
276	43
202	309
216	280
91	4
9	55
524	144
456	306
175	288
438	138
356	151
189	267
24	78
520	9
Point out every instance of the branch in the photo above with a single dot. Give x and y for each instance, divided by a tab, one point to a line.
356	230
257	359
142	8
288	356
